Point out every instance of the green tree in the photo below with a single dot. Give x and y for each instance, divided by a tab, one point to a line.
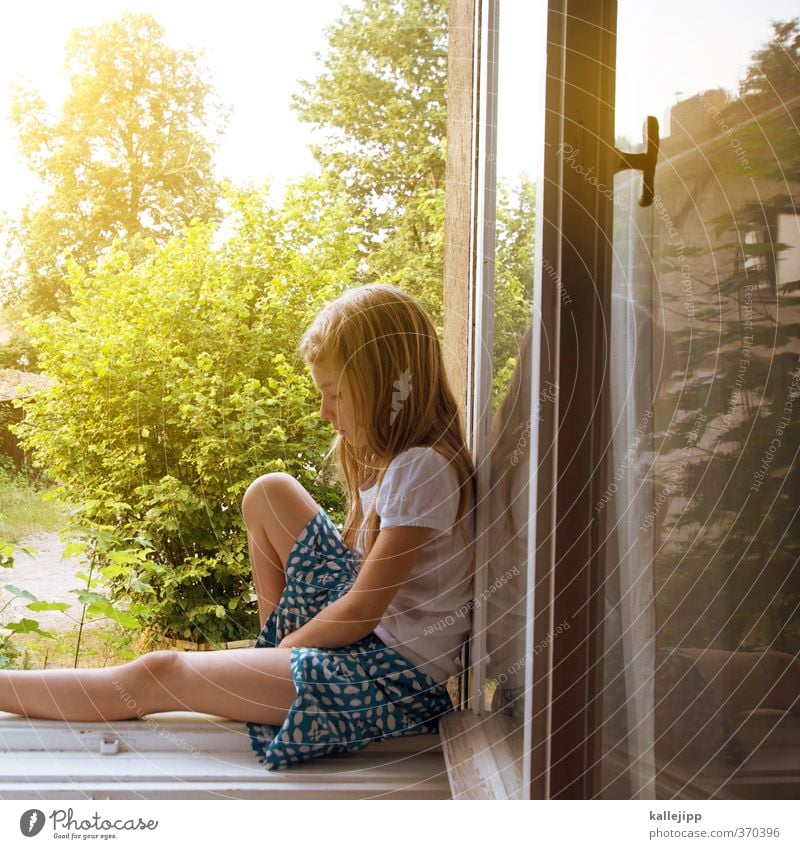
128	156
380	106
514	268
379	109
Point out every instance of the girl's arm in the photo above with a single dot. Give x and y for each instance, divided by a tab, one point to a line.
358	611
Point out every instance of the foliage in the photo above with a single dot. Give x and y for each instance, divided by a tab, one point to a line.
102	645
380	106
18	353
175	385
94	603
380	110
514	267
727	563
128	156
9	654
771	77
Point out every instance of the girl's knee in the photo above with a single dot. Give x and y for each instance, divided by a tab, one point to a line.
141	684
268	488
156	661
258	493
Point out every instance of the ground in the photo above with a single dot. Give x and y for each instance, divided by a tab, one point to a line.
48	577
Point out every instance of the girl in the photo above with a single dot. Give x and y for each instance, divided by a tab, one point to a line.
361	630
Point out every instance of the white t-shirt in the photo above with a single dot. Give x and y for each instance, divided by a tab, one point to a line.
430	615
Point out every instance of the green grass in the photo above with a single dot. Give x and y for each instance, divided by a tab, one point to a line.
101	645
24	509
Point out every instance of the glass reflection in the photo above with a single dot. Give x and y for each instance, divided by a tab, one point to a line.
702	634
507	566
503	599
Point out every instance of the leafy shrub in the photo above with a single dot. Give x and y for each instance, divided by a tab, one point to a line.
175	385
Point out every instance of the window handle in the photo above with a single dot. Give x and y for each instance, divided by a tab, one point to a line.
644	162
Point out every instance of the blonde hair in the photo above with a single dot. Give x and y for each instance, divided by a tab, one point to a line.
384	345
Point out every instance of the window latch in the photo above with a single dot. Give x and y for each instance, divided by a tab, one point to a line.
644	162
109	745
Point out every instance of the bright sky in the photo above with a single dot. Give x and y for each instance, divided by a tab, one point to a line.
256	51
685	46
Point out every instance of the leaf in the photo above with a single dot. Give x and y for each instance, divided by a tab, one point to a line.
39	606
20	593
104	608
27	626
86	597
7	555
73	549
140	586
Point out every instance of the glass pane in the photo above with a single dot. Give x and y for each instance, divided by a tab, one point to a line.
518	164
702	635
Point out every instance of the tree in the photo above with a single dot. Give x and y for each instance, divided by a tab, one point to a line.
771	77
514	271
128	156
727	560
380	105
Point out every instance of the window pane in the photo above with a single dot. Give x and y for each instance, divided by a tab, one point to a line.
519	130
701	628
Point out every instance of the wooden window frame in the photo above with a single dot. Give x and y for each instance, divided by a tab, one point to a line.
561	731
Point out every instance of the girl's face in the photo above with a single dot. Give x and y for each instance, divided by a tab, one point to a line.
337	402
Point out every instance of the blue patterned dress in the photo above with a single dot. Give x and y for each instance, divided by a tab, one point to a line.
346	697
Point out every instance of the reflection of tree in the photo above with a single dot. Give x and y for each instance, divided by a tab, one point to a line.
727	568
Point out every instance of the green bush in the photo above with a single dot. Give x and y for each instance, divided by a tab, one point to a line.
174	385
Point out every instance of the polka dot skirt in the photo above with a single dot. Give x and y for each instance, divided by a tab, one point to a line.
346	697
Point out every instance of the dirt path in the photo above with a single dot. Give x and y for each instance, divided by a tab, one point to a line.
48	577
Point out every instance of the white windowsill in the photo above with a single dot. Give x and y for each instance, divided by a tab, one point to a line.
190	756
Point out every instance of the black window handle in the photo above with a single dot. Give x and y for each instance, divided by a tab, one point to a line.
644	162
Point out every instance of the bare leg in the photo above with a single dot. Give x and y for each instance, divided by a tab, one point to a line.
275	509
268	575
247	685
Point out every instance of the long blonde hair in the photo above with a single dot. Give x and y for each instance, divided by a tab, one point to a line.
385	346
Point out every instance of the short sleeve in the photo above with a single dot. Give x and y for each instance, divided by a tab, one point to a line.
420	488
